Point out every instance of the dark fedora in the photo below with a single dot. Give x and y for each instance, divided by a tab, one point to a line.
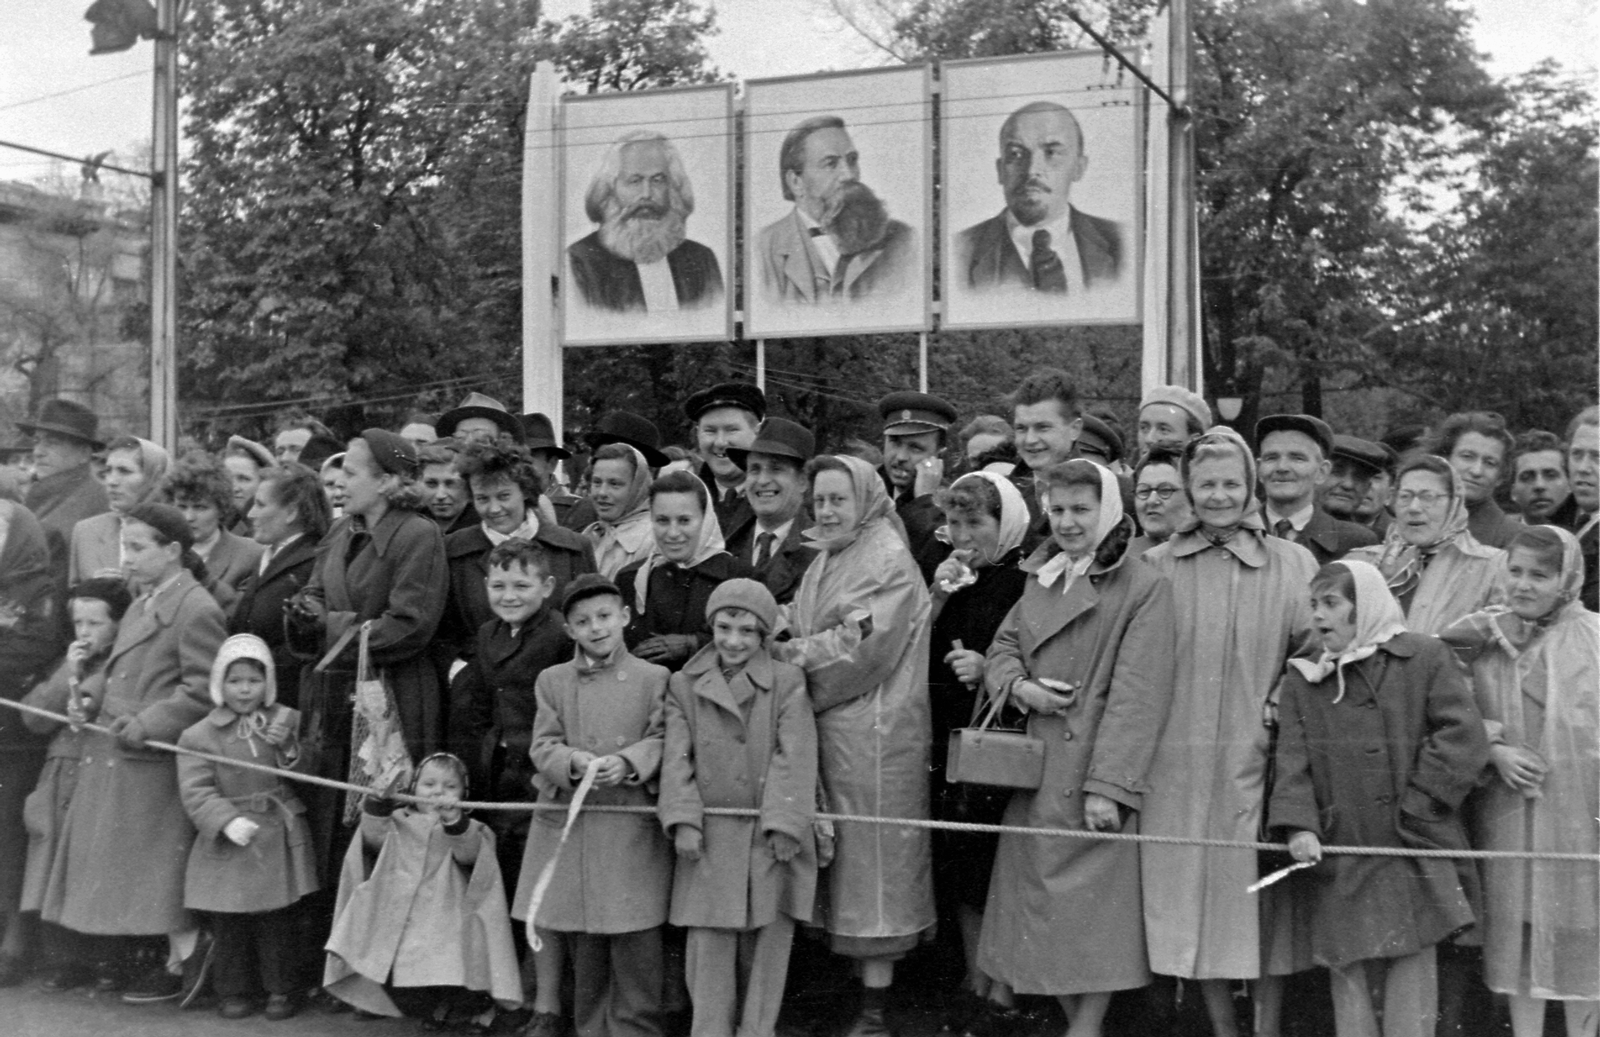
477	405
318	449
542	435
65	418
779	438
1314	429
620	426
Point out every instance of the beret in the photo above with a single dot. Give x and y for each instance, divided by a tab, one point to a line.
728	394
907	413
1304	424
166	520
1181	398
250	448
589	585
747	594
393	454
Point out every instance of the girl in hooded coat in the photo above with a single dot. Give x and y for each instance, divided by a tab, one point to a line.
669	589
251	861
1379	744
1242	610
1087	653
860	624
1536	671
619	489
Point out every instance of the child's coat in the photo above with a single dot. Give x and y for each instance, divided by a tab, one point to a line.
430	911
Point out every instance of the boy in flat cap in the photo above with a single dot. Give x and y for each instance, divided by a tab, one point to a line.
915	425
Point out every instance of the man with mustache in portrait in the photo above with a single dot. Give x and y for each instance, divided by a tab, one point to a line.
838	244
1040	242
640	257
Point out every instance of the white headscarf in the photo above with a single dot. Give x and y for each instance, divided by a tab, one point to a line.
873	504
1378	618
710	544
1110	517
618	544
1013	513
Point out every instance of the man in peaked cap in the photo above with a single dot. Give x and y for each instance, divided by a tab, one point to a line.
65	491
915	425
725	417
479	419
1293	465
775	487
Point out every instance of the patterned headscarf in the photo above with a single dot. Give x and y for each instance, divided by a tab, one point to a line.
1402	562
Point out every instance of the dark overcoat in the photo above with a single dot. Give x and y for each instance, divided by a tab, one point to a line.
258	610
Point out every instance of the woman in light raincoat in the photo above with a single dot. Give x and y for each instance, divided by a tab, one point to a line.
1536	674
860	623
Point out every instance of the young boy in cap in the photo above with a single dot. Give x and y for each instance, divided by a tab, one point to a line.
740	733
607	898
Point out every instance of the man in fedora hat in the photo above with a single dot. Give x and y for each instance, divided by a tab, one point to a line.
775	487
915	425
540	438
65	491
479	419
724	418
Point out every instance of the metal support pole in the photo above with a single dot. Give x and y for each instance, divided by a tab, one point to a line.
922	361
164	232
761	364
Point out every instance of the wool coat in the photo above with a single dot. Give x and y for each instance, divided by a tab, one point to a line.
467	553
45	810
748	743
1460	578
1242	609
258	610
1065	916
1389	765
60	502
232	559
615	873
278	867
782	572
493	701
1329	539
125	845
395	577
873	728
677	597
420	906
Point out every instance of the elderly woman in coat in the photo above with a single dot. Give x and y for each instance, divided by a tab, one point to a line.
1088	654
119	866
860	624
1379	745
1242	610
1536	671
1434	566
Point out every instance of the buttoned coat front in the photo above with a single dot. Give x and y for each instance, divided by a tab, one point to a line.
276	868
1065	916
747	743
126	840
615	873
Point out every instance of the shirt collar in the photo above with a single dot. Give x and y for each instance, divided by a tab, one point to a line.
1298	520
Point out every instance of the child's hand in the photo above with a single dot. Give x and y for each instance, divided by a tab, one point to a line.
1305	847
967	664
77	653
665	648
278	731
240	831
782	846
448	808
686	840
1520	768
129	732
613	769
1100	814
579	764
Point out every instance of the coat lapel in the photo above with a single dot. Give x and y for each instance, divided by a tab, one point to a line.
1063	608
798	265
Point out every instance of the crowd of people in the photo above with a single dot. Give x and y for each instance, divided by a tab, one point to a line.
773	655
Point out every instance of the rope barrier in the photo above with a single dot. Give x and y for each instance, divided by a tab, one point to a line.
901	822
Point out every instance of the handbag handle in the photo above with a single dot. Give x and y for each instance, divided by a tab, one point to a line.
992	715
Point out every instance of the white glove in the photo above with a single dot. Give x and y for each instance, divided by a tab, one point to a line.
241	830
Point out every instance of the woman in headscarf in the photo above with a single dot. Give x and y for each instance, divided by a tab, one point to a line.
860	631
134	470
1379	745
1536	673
1242	610
668	591
619	490
973	589
1435	568
119	864
1088	655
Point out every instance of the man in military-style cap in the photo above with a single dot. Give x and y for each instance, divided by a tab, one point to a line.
725	417
915	425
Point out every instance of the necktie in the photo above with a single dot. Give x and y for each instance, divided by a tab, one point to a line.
1283	529
764	543
1048	273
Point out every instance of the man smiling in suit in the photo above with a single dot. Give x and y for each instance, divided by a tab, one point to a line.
1040	242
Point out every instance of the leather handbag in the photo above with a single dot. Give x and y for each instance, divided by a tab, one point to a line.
984	754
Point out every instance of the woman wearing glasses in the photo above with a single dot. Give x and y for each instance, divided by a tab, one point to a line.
1434	566
1159	500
